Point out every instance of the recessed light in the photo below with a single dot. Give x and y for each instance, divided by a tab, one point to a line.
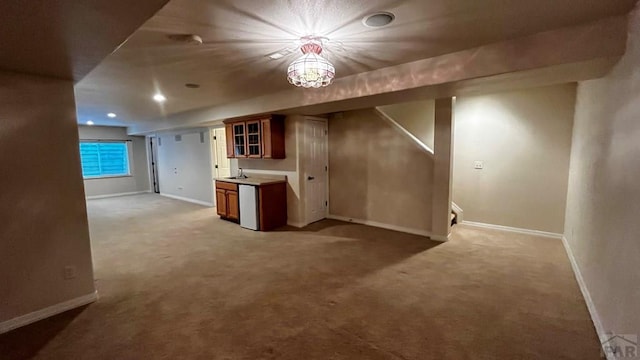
192	85
159	98
275	56
111	115
89	122
378	19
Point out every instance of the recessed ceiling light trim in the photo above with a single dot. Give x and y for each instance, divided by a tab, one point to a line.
159	98
378	19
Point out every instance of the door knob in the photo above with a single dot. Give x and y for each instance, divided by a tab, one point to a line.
310	178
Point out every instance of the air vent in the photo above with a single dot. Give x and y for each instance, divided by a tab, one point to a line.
159	141
201	138
178	138
378	19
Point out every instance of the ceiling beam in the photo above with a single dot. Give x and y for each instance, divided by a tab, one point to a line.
568	54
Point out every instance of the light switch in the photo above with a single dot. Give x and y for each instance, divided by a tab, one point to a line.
478	165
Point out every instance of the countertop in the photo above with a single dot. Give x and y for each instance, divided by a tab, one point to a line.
256	180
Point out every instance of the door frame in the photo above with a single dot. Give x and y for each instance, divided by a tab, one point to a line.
303	175
152	157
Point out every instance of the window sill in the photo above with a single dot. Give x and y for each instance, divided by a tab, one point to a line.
106	177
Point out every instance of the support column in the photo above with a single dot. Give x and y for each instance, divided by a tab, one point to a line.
442	169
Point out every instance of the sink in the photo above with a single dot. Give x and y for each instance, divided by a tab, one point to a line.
237	177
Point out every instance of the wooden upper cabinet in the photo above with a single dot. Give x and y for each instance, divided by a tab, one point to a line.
254	141
228	130
273	134
256	137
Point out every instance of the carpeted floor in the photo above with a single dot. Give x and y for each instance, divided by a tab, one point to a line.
175	282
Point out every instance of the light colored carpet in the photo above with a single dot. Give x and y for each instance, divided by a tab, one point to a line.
175	282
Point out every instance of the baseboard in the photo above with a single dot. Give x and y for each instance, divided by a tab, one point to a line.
203	203
602	334
296	224
38	315
381	225
459	212
513	229
117	195
440	238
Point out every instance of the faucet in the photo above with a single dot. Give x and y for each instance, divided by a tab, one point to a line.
241	175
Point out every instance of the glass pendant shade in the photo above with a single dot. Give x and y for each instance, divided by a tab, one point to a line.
311	70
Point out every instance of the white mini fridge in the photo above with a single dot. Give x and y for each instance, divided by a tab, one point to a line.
248	198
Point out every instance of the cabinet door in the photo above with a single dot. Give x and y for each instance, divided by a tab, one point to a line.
228	130
221	202
233	210
266	138
239	139
254	143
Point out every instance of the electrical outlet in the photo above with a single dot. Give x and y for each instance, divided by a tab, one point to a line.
70	272
478	165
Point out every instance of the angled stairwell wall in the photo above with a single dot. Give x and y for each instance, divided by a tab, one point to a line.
413	119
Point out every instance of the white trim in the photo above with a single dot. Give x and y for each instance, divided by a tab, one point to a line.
459	212
440	238
94	197
602	334
404	131
513	229
296	224
203	203
56	309
386	226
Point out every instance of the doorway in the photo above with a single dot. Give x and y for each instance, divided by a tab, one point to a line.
316	169
221	164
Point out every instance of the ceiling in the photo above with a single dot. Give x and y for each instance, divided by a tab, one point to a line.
231	64
66	39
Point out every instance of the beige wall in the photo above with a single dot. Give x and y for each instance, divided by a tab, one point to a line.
138	165
415	117
602	227
377	174
524	140
42	204
291	166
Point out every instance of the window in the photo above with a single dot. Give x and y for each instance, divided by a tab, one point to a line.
104	159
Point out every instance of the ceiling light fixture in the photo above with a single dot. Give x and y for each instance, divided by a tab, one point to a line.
378	19
311	70
89	122
159	98
111	115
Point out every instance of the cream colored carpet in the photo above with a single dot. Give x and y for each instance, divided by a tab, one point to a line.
175	282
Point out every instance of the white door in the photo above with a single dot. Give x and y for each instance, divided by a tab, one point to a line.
316	170
221	165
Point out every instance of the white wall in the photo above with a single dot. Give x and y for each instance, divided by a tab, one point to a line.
184	167
523	139
603	205
138	164
42	205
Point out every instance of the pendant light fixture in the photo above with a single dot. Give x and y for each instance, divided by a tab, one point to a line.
311	70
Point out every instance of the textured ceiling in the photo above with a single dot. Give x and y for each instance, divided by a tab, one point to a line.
66	38
231	64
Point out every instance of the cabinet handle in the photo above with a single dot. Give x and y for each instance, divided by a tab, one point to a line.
310	178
